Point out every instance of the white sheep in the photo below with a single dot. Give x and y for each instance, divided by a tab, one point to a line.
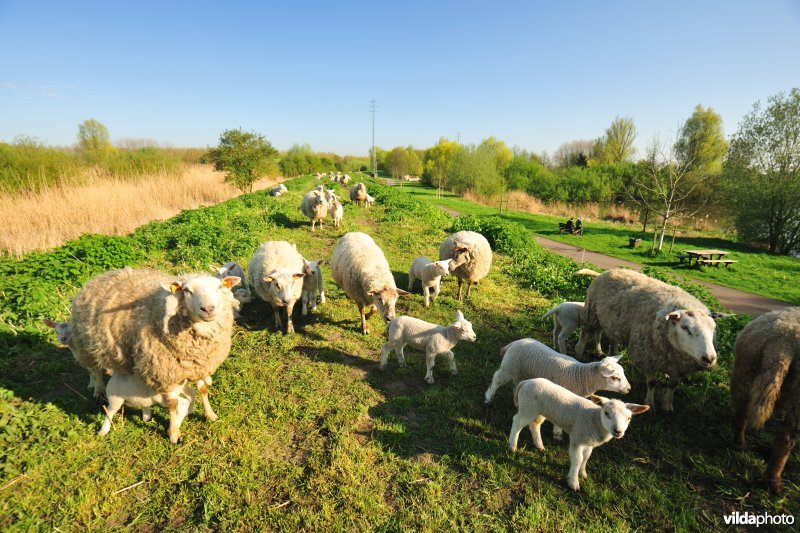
430	338
241	294
471	257
359	267
337	212
528	358
344	179
566	319
589	423
430	275
358	194
312	285
119	318
314	207
276	272
665	328
330	194
370	201
319	187
278	190
63	330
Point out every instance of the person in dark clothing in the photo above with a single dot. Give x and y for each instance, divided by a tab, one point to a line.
570	225
578	227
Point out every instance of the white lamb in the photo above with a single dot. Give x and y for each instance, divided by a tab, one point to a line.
528	358
63	330
370	200
278	190
589	423
337	212
241	294
429	338
566	319
312	285
430	275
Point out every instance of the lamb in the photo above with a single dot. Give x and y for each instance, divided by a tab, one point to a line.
276	272
241	294
765	384
665	328
471	255
358	194
314	207
424	336
566	319
589	423
359	267
330	194
337	212
370	201
529	358
119	319
430	275
312	285
63	330
278	190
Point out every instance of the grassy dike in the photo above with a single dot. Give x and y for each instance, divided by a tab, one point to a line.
313	435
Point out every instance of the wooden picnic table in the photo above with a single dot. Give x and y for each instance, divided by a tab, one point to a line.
708	257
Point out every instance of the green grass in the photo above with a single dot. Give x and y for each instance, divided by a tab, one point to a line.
757	271
313	435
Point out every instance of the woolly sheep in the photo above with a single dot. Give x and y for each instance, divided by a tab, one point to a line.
344	179
161	328
312	285
358	194
589	423
430	275
566	319
765	384
241	294
370	201
276	272
63	330
529	358
337	212
314	207
430	338
278	190
471	255
665	328
359	267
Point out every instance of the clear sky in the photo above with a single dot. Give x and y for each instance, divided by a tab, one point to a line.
532	73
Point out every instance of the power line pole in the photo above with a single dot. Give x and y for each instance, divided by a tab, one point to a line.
373	108
458	137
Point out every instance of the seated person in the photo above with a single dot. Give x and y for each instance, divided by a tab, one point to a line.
570	226
578	226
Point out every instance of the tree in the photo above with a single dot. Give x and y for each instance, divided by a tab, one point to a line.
397	162
93	140
437	165
573	153
244	156
474	169
502	154
762	174
413	162
702	141
616	145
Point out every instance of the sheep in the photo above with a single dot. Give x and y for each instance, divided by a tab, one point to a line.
358	194
665	328
424	336
344	179
314	207
471	255
119	319
765	384
312	285
241	294
337	212
63	330
330	194
278	190
370	201
529	358
566	319
589	423
430	275
276	272
359	267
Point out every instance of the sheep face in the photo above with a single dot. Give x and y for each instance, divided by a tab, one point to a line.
63	330
384	301
460	257
203	296
614	375
464	328
615	416
443	267
281	285
692	333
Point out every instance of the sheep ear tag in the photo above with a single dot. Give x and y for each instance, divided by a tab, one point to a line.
173	287
300	275
231	281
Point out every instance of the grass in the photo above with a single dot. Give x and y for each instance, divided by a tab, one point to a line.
757	271
312	435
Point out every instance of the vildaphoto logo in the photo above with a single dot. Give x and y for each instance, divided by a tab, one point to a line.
752	519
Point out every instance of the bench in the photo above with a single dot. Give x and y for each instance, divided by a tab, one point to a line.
562	228
717	262
684	257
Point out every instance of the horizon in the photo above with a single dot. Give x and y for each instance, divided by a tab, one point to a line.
533	76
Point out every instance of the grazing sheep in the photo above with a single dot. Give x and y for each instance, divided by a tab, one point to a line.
370	201
529	358
765	384
566	319
162	329
314	207
665	328
429	338
276	272
359	267
471	255
337	212
358	194
241	294
589	423
63	330
430	275
312	285
278	190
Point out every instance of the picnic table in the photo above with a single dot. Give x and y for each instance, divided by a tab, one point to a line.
708	258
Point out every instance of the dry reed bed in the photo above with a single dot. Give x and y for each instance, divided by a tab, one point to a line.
49	218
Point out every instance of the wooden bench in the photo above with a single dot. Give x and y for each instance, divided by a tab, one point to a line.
717	262
684	257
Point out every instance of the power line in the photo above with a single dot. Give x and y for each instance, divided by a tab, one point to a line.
373	108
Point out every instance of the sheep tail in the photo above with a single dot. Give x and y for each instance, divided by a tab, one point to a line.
550	312
502	351
516	393
766	387
588	272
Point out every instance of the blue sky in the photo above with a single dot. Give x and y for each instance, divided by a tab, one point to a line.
534	74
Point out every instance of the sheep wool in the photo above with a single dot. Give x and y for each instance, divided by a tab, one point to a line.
471	257
315	207
276	275
358	194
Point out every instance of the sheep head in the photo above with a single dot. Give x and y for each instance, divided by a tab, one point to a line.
443	267
385	299
460	256
614	375
692	332
615	416
202	296
63	330
463	328
282	284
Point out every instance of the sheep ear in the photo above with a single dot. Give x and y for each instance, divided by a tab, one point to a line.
599	400
49	322
637	409
299	275
373	293
459	315
606	370
673	316
617	357
214	270
401	292
321	262
173	287
269	279
231	281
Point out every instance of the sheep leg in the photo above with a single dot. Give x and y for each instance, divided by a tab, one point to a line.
430	360
459	289
278	321
191	395
436	289
520	421
207	410
289	323
575	464
562	341
469	288
739	429
411	280
781	448
558	434
426	292
304	303
146	414
587	452
401	357
453	368
385	350
651	390
535	428
114	404
321	296
499	378
364	326
178	409
669	395
581	346
556	336
99	384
